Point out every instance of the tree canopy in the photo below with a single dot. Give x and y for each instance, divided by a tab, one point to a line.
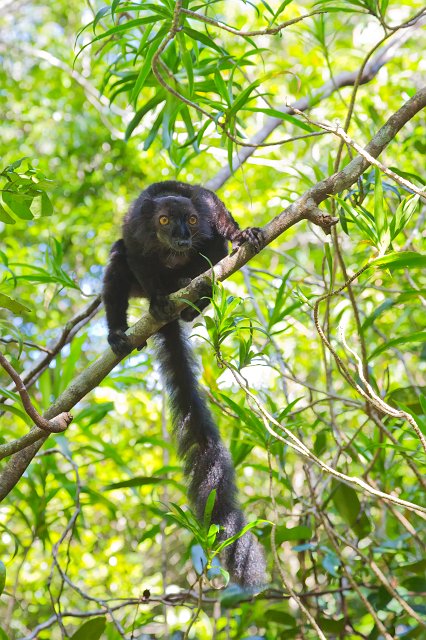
307	119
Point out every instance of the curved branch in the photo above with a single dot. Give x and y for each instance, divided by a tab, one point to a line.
56	425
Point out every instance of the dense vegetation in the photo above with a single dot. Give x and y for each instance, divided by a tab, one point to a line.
311	354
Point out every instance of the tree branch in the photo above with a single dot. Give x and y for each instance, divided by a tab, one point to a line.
303	208
56	425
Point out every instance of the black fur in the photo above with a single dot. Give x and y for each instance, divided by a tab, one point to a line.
207	463
156	258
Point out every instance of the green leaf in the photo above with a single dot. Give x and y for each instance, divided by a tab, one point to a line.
379	214
221	86
331	564
417	567
205	40
120	28
282	533
18	204
387	304
9	408
380	598
139	481
2	577
3	635
403	214
277	616
93	413
13	305
210	502
331	626
233	596
100	15
90	630
148	106
348	505
212	534
415	583
154	131
411	397
146	67
418	336
400	260
5	217
41	206
199	559
275	113
238	535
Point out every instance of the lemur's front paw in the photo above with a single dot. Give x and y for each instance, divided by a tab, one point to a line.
253	235
162	308
119	343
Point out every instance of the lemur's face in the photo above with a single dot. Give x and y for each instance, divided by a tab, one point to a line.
176	223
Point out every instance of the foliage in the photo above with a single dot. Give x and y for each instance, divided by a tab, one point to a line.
97	539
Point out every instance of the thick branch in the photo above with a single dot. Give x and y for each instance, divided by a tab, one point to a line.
304	208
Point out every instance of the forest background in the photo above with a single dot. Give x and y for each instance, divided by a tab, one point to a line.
311	355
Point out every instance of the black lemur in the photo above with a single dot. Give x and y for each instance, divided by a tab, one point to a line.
168	233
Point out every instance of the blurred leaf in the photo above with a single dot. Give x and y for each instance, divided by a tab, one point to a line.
408	396
210	502
93	413
90	630
403	214
400	260
233	596
415	583
13	305
279	617
18	204
331	564
380	598
348	505
5	217
199	559
2	576
282	533
418	336
329	625
138	481
379	214
41	206
238	535
203	38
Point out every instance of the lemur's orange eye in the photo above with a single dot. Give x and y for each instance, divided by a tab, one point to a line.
192	219
164	220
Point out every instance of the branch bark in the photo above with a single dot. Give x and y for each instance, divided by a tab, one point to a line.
306	207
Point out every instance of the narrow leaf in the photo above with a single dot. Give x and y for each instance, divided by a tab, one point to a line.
418	336
400	260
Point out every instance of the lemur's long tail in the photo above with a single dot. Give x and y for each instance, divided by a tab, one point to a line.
207	463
